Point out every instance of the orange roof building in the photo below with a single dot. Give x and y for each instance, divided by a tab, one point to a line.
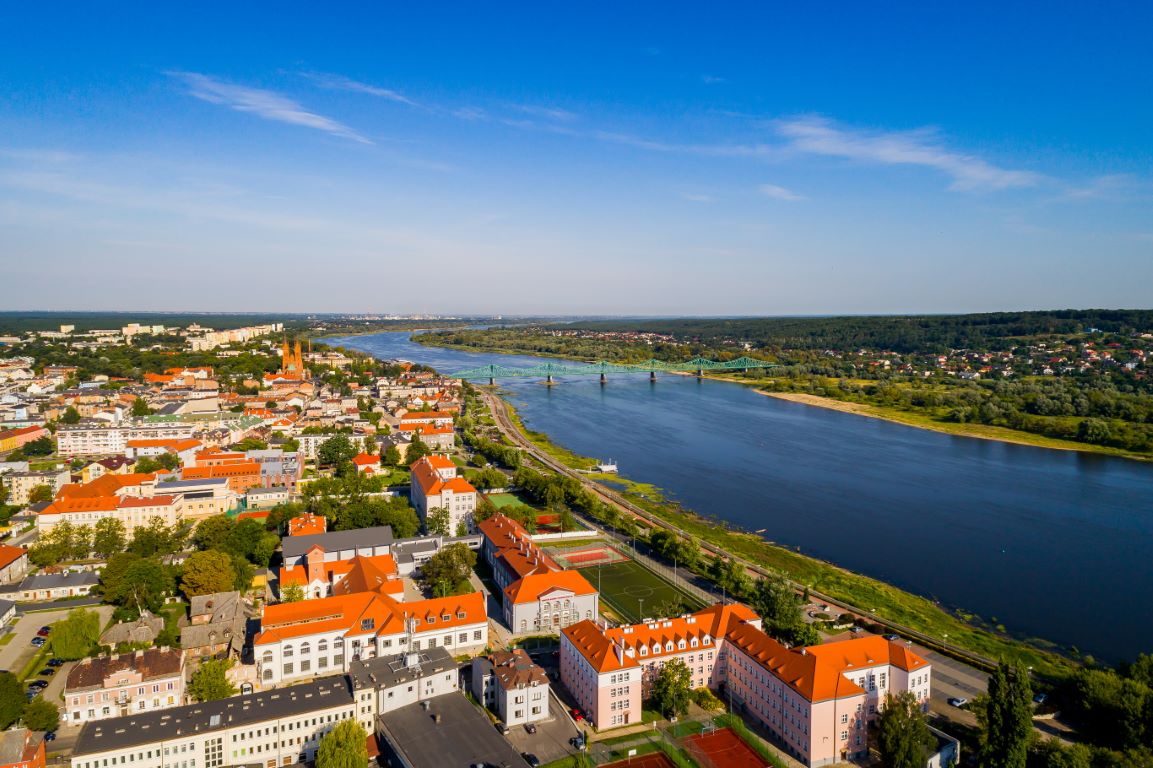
817	701
241	475
435	484
307	524
319	578
321	636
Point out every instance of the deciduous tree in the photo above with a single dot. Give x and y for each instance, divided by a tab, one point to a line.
436	522
447	569
210	682
903	736
672	689
75	636
108	537
41	715
39	494
345	746
12	699
207	572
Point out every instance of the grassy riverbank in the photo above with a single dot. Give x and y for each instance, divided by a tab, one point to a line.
884	600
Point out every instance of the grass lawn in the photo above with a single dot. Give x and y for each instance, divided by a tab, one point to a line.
628	586
502	500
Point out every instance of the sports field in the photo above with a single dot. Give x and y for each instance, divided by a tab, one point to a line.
722	749
502	500
651	760
627	588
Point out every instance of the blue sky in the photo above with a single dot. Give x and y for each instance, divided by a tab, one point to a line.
585	158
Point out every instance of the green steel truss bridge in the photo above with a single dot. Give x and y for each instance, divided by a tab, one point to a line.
698	366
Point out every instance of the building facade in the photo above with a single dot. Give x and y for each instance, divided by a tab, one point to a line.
435	484
114	686
512	686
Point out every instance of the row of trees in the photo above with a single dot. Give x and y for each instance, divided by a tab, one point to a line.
67	541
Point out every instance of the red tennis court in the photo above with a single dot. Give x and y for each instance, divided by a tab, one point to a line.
651	760
722	749
583	557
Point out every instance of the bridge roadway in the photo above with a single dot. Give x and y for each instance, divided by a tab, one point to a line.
957	671
547	370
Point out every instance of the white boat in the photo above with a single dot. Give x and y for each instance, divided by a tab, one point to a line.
606	466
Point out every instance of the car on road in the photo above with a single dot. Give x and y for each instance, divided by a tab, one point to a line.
50	736
38	642
44	631
530	727
957	701
577	742
502	728
531	759
577	715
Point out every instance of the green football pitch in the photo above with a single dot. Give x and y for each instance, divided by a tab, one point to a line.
627	588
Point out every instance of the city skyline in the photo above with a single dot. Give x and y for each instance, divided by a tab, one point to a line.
743	162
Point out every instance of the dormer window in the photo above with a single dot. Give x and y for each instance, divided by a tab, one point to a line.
693	643
708	640
446	617
680	645
644	650
367	624
669	646
460	614
431	619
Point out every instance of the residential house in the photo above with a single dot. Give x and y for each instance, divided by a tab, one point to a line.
512	686
12	439
216	626
22	748
143	630
20	484
54	586
114	686
13	564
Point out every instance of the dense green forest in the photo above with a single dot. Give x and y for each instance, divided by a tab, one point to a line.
903	334
21	322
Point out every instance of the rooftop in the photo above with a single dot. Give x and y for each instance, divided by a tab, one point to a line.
463	735
389	671
151	664
296	546
146	728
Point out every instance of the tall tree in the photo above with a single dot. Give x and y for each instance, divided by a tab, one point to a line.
41	715
1006	719
672	689
207	572
345	746
70	416
335	451
75	636
39	493
903	736
447	569
108	537
135	583
210	682
292	593
437	521
391	456
11	699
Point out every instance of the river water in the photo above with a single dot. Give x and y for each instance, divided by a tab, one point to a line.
1052	544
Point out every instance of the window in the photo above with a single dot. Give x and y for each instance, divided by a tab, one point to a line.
305	649
288	668
322	646
287	652
367	624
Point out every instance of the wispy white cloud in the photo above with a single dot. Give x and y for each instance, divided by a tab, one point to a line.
1108	187
547	113
778	192
696	197
262	103
712	79
342	83
820	136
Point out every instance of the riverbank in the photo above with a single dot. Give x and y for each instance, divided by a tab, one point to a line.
913	419
876	598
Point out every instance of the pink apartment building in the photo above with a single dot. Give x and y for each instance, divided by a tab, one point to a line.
816	701
114	686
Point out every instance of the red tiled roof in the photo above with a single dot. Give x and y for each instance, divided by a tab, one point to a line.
10	554
530	588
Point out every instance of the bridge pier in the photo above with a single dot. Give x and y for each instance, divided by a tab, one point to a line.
604	380
491	381
700	373
548	380
653	376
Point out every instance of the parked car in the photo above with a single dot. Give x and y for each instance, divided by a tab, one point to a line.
577	742
892	638
38	642
47	672
531	759
502	728
530	727
50	736
958	701
577	715
44	631
56	662
1040	698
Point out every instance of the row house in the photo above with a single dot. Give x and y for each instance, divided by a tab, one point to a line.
323	636
12	439
512	686
114	686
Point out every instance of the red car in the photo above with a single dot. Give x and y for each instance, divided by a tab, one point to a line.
576	715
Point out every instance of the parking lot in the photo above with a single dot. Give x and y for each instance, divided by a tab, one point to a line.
551	740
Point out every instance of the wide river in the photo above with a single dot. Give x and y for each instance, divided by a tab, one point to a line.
1052	544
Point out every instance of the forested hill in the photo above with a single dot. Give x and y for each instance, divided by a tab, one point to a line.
897	333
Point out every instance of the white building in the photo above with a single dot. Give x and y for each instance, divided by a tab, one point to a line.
97	439
435	484
512	686
323	636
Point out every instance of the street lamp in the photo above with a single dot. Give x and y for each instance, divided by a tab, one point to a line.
641	600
